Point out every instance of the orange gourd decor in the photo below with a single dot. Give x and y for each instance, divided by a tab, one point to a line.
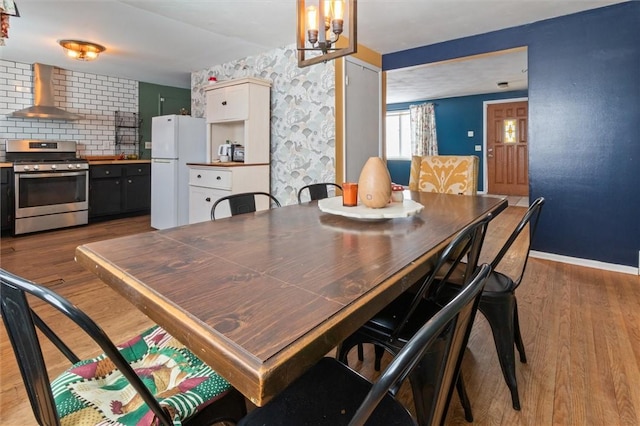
374	185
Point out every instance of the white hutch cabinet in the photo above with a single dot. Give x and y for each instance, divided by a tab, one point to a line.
237	111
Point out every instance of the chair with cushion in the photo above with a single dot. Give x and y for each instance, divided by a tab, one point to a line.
330	393
448	174
317	191
152	377
498	301
244	202
391	328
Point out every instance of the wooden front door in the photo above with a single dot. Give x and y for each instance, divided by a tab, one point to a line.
507	150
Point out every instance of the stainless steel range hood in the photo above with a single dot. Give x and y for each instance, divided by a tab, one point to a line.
43	98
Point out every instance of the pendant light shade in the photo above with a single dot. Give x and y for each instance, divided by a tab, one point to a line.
321	25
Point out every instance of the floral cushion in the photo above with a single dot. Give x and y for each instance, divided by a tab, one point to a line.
94	392
449	174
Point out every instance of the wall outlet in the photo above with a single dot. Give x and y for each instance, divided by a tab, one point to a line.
478	148
147	145
470	134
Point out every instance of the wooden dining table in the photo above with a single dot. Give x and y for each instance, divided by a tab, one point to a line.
263	296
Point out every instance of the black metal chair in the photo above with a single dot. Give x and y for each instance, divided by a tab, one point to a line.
498	302
317	191
393	327
330	393
244	202
120	368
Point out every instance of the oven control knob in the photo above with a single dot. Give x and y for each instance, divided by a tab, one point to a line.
78	166
53	167
36	167
70	166
26	168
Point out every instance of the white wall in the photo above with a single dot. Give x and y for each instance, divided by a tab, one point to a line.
96	97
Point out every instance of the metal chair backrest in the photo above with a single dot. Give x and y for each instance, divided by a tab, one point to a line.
530	217
465	244
244	202
317	191
448	326
21	322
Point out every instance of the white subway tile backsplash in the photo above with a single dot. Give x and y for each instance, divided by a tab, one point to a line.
96	97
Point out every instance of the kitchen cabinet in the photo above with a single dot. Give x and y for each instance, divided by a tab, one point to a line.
6	198
239	111
227	103
208	183
119	189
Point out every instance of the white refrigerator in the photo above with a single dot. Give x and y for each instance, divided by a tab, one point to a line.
175	141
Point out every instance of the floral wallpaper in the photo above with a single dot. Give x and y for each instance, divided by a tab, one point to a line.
302	116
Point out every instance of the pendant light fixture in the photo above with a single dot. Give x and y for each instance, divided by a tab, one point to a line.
81	50
321	24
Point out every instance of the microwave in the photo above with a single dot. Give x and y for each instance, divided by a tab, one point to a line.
238	153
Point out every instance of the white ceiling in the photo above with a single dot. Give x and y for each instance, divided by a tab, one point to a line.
161	41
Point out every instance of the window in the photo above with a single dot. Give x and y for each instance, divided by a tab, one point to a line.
398	138
510	131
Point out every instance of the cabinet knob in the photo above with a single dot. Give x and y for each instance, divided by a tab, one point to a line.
139	170
117	182
208	199
199	176
129	180
224	102
218	178
106	172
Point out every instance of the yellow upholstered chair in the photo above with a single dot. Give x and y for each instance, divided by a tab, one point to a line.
449	174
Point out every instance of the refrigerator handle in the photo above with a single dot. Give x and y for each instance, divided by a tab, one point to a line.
155	160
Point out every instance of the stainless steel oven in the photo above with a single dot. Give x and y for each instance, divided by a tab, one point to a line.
51	185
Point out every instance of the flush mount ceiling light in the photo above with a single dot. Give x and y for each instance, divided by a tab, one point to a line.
81	50
320	25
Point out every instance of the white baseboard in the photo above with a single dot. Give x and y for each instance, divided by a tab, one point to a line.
586	262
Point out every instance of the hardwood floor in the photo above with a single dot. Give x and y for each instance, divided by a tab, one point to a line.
581	329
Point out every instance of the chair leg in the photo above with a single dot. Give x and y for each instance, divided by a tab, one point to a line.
360	352
464	399
379	352
500	315
518	336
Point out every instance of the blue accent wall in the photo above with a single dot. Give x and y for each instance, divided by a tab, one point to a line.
454	118
584	125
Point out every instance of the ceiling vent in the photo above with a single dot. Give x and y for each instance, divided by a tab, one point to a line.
43	98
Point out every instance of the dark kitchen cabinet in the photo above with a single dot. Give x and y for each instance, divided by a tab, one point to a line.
137	188
116	190
6	198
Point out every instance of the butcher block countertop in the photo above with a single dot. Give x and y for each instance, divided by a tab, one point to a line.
102	162
97	160
6	164
227	164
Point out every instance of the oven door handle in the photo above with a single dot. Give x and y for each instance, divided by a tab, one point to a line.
54	174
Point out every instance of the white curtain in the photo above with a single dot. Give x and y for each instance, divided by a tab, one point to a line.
424	140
